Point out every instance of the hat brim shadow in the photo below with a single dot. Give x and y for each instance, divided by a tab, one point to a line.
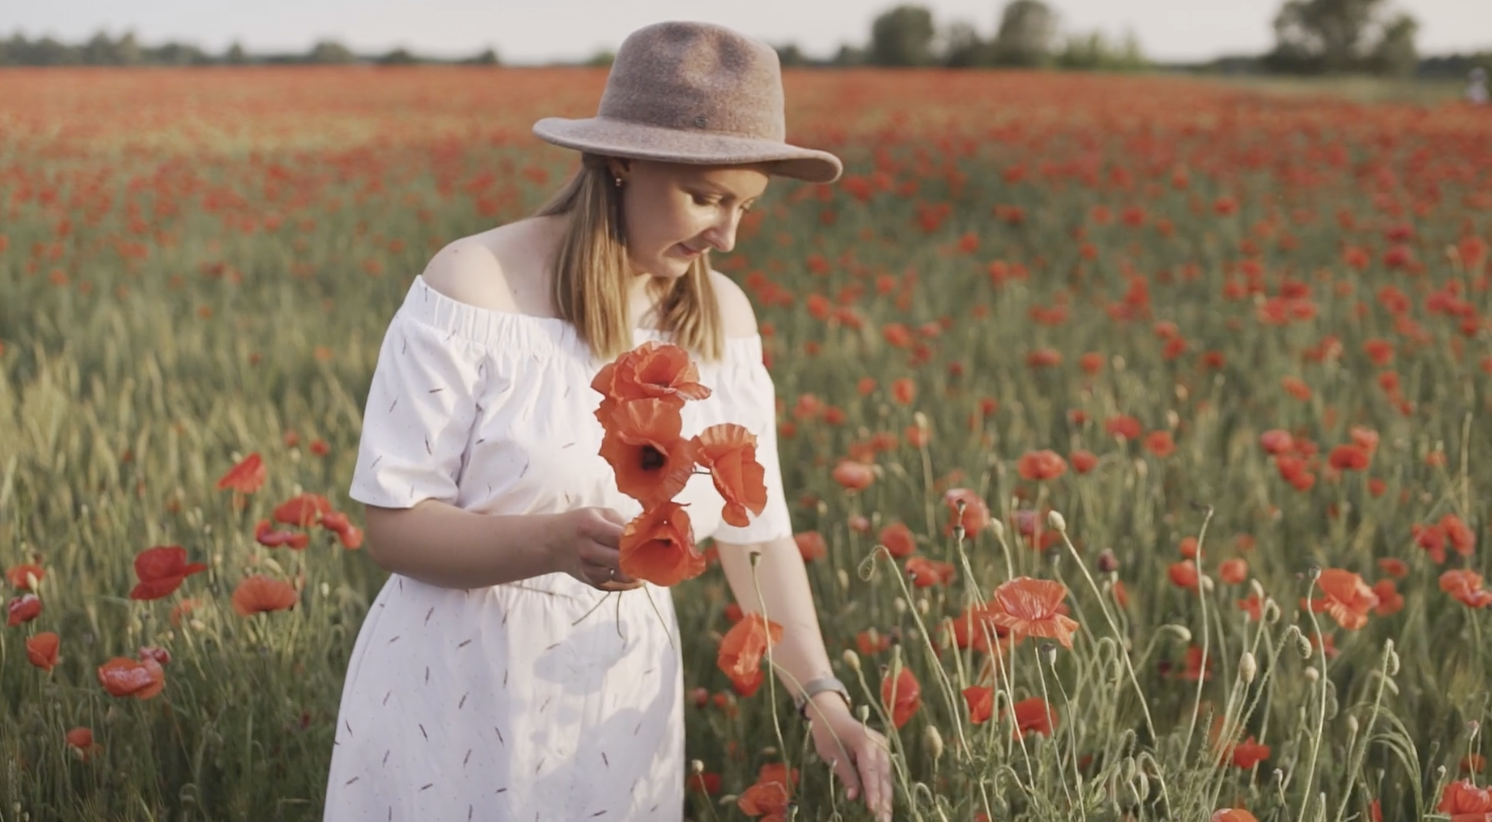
619	138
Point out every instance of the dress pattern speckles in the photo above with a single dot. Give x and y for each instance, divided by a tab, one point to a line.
512	702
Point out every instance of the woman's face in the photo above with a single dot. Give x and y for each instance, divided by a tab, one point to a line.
675	212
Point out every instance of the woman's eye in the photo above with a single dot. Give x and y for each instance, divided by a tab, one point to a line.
704	201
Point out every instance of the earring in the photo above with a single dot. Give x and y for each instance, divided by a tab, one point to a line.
619	182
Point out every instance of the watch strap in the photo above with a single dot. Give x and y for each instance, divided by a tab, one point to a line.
818	686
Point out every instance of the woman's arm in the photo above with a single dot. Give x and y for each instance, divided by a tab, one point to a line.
443	545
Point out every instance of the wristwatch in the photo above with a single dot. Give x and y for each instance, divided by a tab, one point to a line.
817	686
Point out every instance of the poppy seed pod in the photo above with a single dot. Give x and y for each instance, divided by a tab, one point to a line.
1247	667
852	659
1057	521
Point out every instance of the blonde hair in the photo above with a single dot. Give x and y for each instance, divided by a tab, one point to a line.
589	279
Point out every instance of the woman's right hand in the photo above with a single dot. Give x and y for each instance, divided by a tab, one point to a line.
585	547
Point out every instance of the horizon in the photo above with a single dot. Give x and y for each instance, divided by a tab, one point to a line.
568	31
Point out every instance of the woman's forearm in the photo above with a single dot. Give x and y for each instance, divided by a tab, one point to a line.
444	545
786	599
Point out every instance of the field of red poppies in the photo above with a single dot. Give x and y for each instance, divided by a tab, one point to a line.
1136	430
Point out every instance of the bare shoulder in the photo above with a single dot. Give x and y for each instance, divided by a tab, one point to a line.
736	313
469	271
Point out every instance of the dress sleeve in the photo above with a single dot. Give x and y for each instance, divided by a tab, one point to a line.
749	398
422	403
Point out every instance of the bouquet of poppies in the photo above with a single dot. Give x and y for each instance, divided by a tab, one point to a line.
643	394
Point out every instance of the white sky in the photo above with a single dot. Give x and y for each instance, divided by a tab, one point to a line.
531	31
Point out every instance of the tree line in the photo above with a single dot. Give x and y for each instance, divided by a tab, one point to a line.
1312	37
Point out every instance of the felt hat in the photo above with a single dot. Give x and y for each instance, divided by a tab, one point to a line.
698	93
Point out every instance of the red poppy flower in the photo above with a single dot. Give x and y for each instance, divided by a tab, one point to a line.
1233	571
1083	461
1276	441
742	648
20	577
260	594
1183	574
1347	598
1390	601
658	546
926	573
265	535
23	608
651	461
1465	802
123	677
901	695
1032	608
771	797
81	741
811	545
1033	715
653	370
981	702
303	510
728	451
1460	535
1349	458
1041	465
898	539
904	390
41	650
246	477
975	516
1123	426
854	475
350	535
1249	753
161	570
1233	815
1466	586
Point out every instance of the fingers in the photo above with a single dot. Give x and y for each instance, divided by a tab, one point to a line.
611	515
875	775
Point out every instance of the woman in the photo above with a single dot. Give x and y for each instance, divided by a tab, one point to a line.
485	682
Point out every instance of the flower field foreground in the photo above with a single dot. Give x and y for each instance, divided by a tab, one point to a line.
1137	432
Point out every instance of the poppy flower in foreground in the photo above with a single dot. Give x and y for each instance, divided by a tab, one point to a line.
1233	815
161	571
302	510
651	461
260	594
1032	607
41	650
1033	715
742	648
728	452
266	535
901	695
123	677
771	796
22	576
1347	598
898	539
653	370
23	608
981	701
246	477
1464	800
1041	465
658	546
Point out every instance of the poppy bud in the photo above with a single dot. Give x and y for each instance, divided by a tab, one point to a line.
696	767
1107	563
1057	521
862	713
1183	633
1247	667
999	528
844	579
934	742
852	659
1303	646
1311	673
900	605
1352	725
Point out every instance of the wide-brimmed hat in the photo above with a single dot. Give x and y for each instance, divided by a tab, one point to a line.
698	93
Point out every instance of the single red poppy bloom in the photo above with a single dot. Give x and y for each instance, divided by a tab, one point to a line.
975	516
898	539
23	608
653	370
742	649
1032	608
658	546
1041	465
1033	715
901	695
811	545
303	510
161	570
246	477
651	461
21	576
41	650
260	594
728	452
123	677
926	573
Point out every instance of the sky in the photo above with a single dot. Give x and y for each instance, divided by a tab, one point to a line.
538	31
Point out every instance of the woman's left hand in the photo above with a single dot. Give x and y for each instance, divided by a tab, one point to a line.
860	756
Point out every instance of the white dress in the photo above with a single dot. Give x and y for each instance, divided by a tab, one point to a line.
491	704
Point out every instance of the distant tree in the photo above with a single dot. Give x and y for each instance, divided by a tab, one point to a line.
397	57
902	36
790	55
235	55
1027	30
177	54
850	56
1337	36
330	51
963	48
487	57
1394	53
1094	52
601	59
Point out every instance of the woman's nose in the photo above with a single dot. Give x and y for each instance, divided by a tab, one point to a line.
722	235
